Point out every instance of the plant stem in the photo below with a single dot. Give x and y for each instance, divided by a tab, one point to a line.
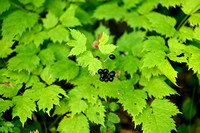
44	122
18	6
55	121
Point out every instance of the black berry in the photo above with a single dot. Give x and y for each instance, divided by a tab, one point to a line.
98	57
112	56
111	79
102	75
106	79
100	71
112	73
102	79
105	71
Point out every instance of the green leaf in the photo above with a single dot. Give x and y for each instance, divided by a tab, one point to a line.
96	113
166	68
79	44
76	124
162	24
18	22
132	100
47	56
194	60
68	18
157	119
170	3
136	20
50	21
5	5
59	34
154	43
147	6
109	11
64	69
5	45
113	106
38	3
149	72
21	62
184	33
190	6
112	117
62	108
157	88
47	76
23	108
49	96
130	64
125	44
60	51
83	16
106	49
11	90
131	3
87	59
195	19
153	58
5	105
55	6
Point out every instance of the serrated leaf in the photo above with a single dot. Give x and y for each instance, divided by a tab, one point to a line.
62	108
195	19
162	24
76	124
136	20
77	106
170	3
157	88
5	5
5	105
32	80
131	3
59	34
147	6
38	3
79	44
130	64
11	90
50	21
125	42
64	69
68	18
166	68
149	72
47	76
23	108
5	45
109	11
154	43
17	22
108	48
194	60
47	56
21	62
190	6
133	100
157	119
153	59
96	113
184	33
49	96
60	51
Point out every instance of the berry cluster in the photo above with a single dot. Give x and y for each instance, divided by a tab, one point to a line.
104	74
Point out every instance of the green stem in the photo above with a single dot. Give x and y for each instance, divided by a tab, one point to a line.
55	121
185	19
44	122
18	6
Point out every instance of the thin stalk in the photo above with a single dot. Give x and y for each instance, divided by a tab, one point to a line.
44	122
55	121
18	6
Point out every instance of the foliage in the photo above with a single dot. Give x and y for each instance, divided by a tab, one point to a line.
48	64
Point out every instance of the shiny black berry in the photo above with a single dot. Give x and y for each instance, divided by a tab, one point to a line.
111	79
102	75
112	73
106	79
100	71
102	79
98	57
112	56
105	71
